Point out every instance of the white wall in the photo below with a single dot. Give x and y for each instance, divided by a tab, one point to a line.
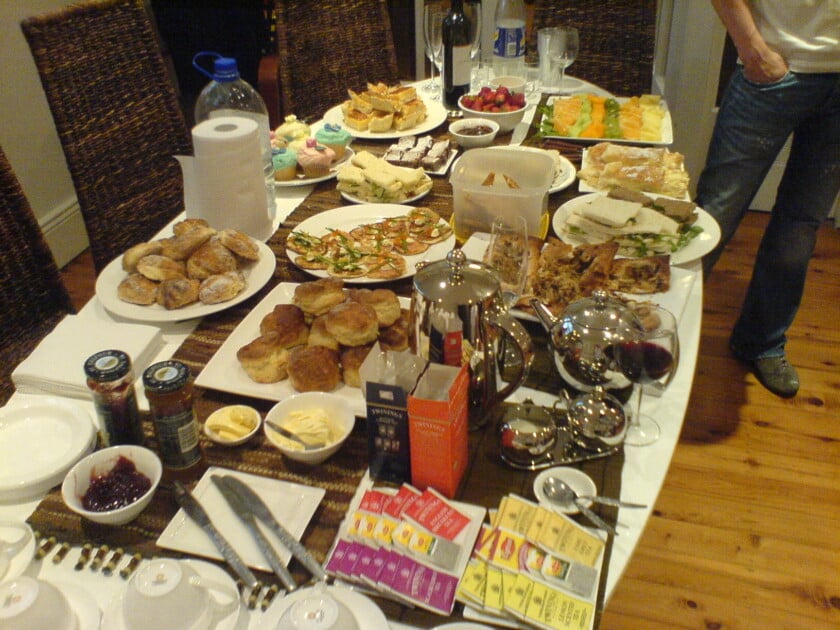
28	136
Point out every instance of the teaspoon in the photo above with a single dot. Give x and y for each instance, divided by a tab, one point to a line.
561	493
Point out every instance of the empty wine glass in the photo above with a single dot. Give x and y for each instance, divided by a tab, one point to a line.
507	253
433	35
473	12
564	51
649	357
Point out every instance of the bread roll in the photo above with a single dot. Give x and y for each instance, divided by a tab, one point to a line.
314	369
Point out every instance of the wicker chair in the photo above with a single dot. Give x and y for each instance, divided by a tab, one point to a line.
117	115
323	48
617	40
33	299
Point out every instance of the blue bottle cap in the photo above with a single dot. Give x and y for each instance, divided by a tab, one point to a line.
224	68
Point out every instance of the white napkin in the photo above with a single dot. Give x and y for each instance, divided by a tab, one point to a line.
56	366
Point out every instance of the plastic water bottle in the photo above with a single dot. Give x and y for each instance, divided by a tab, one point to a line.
228	94
509	39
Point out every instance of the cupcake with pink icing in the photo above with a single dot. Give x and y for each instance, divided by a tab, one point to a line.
315	159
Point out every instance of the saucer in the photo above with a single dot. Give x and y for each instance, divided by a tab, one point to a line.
112	619
21	560
83	604
368	615
578	480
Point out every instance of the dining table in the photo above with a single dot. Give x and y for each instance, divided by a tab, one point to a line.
634	474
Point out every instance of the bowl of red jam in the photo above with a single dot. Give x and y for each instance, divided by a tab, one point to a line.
114	485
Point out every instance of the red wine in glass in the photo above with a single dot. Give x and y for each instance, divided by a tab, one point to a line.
643	362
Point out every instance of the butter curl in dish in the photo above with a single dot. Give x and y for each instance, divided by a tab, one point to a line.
232	425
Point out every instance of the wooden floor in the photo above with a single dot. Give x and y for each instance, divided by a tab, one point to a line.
746	531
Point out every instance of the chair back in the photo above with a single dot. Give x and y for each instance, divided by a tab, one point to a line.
33	298
617	40
327	46
117	116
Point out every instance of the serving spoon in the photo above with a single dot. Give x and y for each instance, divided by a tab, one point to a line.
559	492
293	437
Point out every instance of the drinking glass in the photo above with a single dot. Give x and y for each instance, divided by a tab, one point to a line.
564	51
507	253
650	357
433	35
473	12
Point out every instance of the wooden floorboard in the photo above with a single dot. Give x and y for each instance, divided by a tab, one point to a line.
746	531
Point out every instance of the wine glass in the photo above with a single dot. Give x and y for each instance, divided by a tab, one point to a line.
507	253
433	18
648	357
564	51
473	12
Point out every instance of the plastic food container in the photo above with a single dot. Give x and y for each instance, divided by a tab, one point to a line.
487	183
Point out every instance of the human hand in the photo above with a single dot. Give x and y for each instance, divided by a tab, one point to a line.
767	67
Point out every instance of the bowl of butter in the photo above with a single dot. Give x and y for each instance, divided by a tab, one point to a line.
232	425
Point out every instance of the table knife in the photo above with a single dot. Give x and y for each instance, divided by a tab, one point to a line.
261	511
243	511
196	512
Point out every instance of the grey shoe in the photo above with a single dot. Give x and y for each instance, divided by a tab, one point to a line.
777	375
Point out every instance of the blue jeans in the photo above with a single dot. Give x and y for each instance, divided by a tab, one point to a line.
752	126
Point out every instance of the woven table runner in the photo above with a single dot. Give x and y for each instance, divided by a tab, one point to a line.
487	479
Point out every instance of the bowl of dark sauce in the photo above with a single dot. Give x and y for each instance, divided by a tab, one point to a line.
474	132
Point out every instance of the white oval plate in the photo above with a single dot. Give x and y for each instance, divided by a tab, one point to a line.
348	217
302	180
435	117
367	614
578	480
697	247
39	442
112	619
353	199
256	276
563	177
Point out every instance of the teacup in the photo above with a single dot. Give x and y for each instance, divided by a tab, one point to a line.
11	542
27	603
318	610
167	594
513	84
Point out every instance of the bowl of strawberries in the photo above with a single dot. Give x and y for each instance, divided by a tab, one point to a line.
498	104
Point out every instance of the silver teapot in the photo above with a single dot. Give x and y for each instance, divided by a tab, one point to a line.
597	420
582	339
458	316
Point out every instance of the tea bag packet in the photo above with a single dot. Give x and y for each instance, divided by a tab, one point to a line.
445	338
425	546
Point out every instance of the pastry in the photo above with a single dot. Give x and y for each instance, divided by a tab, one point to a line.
384	302
314	369
210	259
289	322
158	267
351	361
315	159
264	359
285	164
185	225
352	324
221	287
318	297
177	292
318	335
133	255
138	289
395	337
334	137
240	244
182	246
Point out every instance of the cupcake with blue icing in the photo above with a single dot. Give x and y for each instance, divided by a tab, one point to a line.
285	164
334	137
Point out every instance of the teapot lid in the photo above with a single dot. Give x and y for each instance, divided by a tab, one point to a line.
600	311
456	280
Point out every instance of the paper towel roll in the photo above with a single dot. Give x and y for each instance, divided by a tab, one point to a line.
224	183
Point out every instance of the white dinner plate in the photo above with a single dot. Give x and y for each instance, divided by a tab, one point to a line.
576	479
291	504
367	614
112	619
667	128
40	440
435	116
301	180
352	199
586	187
564	176
674	299
348	217
256	275
223	371
696	248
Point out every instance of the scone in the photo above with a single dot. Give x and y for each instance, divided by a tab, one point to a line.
240	244
318	335
384	301
288	321
157	267
137	289
351	361
221	287
318	297
264	360
210	259
395	337
314	369
133	254
352	324
177	292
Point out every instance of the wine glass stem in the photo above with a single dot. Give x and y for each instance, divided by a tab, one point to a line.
636	418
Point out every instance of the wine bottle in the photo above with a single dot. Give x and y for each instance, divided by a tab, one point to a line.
456	54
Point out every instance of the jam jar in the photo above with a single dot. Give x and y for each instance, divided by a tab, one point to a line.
168	388
111	382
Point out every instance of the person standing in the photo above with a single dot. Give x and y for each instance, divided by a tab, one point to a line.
787	82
